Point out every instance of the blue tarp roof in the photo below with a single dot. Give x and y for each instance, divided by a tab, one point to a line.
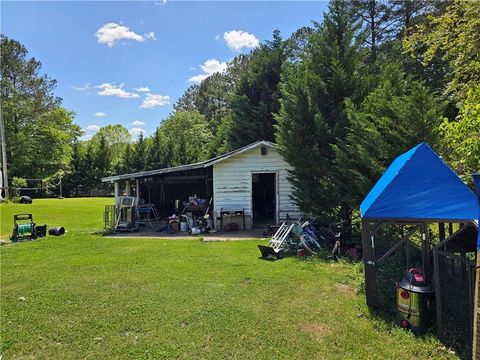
419	185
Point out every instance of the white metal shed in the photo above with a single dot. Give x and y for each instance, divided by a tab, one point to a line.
252	179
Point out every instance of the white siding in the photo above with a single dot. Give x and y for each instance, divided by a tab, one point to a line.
232	181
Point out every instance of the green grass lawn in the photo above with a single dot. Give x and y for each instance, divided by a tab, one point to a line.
86	296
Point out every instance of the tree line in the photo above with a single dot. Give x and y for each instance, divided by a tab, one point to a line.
341	98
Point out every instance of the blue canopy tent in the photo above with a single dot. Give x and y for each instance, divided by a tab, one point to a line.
417	188
419	185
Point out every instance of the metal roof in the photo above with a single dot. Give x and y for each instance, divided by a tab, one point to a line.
199	165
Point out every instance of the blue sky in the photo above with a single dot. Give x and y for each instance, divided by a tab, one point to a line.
128	62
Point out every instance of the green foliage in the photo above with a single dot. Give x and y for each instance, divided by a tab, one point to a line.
460	142
139	154
455	37
381	127
184	138
155	158
18	183
39	133
210	97
187	102
102	158
312	115
116	138
256	98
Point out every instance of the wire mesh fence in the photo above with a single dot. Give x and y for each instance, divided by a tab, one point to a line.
393	258
455	290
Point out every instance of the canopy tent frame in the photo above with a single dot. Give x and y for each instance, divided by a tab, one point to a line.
371	226
417	190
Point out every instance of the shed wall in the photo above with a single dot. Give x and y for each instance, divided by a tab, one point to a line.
232	182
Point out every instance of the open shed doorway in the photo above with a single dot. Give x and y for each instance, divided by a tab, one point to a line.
264	199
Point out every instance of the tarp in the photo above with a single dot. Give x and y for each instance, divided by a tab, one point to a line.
418	185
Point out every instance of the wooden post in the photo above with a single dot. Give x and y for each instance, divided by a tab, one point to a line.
476	313
441	231
137	190
4	157
438	299
116	185
127	187
426	261
369	263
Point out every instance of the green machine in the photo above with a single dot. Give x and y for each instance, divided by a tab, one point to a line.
23	228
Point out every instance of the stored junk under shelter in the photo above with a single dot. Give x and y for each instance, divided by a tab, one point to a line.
247	186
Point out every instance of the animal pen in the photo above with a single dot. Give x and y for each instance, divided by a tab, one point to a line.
421	214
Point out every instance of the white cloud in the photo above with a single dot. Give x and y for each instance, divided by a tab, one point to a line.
83	87
108	89
143	89
136	131
162	2
138	123
217	37
100	114
198	78
209	67
238	39
85	137
213	65
112	33
150	35
153	100
93	128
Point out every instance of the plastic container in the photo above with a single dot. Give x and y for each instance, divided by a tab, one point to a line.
57	231
183	226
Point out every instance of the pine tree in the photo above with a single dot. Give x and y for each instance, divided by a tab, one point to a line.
398	114
155	159
312	116
74	178
128	161
102	158
256	98
139	154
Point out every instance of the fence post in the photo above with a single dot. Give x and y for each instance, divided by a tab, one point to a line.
438	299
471	301
369	263
426	261
476	309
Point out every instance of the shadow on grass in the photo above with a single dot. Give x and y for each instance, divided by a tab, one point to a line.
270	258
384	320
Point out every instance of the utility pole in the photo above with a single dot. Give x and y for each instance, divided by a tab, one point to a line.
4	155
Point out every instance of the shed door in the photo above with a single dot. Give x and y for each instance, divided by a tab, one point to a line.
264	199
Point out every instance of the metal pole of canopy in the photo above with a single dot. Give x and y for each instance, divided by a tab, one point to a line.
369	262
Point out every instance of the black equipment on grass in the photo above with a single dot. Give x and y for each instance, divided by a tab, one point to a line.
56	231
41	231
23	228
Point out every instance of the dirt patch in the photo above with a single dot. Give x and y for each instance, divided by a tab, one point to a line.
317	331
345	289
